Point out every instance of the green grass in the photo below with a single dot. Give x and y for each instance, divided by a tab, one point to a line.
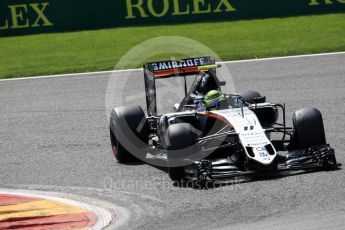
101	49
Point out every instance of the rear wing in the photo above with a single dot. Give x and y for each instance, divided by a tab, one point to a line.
172	68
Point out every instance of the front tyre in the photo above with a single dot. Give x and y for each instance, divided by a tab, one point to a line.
308	129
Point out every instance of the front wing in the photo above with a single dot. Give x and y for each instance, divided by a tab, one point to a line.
311	159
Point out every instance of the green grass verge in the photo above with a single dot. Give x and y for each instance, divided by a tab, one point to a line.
101	49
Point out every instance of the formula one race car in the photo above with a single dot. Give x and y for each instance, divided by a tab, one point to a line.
212	135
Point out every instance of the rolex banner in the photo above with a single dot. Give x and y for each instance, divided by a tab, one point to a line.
19	17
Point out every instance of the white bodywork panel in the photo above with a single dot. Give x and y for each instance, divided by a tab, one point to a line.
250	132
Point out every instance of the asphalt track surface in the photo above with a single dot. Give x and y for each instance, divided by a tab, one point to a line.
54	137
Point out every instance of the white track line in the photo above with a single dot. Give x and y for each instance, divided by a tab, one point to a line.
283	57
71	74
132	70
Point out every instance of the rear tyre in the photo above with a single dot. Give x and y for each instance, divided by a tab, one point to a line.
309	129
182	142
128	133
249	96
120	153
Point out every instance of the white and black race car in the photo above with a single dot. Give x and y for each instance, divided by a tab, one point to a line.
238	138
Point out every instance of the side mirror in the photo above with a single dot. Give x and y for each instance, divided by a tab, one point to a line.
190	107
259	99
222	83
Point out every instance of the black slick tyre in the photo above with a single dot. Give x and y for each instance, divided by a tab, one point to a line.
128	133
308	129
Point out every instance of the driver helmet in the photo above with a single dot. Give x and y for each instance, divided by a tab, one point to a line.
213	99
